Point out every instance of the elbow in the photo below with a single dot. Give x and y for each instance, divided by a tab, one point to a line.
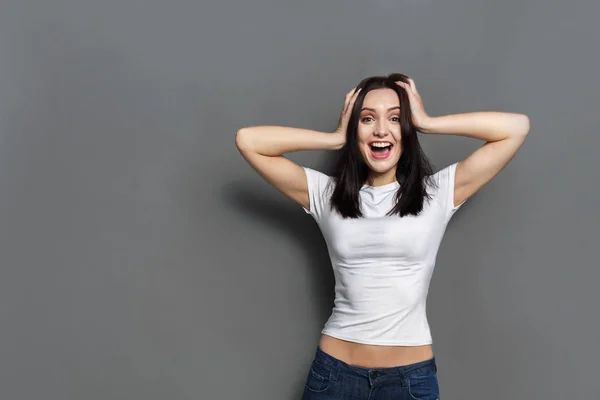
241	139
524	125
518	127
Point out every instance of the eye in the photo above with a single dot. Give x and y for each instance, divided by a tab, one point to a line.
397	119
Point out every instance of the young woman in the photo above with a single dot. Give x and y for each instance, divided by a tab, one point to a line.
383	214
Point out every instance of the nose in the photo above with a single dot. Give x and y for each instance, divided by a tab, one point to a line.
381	129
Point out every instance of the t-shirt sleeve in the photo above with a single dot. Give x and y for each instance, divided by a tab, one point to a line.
318	192
445	196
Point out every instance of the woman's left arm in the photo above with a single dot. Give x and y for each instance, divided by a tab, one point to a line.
504	134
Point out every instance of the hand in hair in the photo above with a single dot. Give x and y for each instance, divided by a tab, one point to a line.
349	101
418	115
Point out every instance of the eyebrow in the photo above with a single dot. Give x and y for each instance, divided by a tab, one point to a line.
372	109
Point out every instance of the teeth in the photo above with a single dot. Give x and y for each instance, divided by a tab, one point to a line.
380	144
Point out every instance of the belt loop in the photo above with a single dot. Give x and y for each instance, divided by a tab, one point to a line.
335	370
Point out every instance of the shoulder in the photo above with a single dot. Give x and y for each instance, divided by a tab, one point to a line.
443	191
317	179
320	188
445	175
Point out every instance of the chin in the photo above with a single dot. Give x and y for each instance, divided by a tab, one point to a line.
380	169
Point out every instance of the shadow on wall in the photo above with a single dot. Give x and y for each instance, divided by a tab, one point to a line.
292	221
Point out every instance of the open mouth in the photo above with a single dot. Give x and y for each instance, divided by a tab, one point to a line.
380	150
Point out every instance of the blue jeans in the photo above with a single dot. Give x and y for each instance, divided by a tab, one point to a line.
332	379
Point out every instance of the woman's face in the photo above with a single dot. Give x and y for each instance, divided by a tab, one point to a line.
379	133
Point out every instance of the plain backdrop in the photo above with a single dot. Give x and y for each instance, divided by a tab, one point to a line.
142	258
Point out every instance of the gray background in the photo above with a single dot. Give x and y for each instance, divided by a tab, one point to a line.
142	258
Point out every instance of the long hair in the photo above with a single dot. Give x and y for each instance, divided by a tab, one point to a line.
413	171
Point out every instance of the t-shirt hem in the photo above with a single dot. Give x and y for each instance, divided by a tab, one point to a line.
376	342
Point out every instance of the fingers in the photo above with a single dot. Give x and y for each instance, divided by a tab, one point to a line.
410	85
402	85
355	95
350	99
349	94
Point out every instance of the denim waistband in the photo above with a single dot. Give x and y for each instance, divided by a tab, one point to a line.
336	365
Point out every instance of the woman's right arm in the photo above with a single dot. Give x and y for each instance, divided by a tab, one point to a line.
263	148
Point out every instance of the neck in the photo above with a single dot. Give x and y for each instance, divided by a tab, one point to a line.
380	179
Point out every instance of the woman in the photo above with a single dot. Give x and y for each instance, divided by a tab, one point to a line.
383	215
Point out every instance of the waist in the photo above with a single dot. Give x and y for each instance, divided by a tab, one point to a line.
374	356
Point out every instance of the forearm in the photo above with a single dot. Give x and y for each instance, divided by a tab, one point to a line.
277	140
489	126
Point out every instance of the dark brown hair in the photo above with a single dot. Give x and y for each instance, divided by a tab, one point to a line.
413	171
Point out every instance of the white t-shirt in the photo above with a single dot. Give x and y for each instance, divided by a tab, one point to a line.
382	265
